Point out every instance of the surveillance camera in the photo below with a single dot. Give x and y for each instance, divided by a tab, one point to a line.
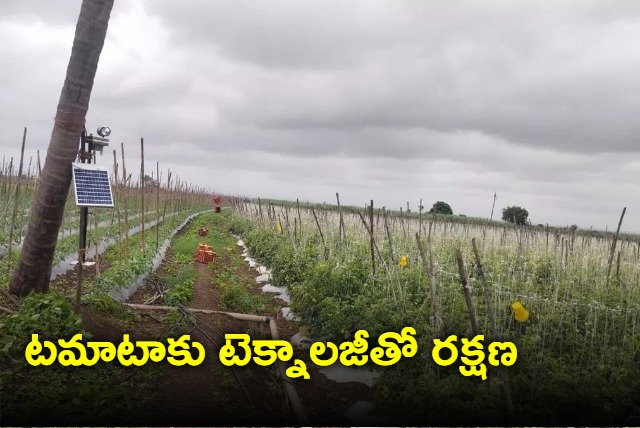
104	131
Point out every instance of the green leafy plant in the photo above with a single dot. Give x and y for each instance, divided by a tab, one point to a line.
48	315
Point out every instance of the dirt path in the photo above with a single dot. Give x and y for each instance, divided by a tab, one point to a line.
212	394
206	295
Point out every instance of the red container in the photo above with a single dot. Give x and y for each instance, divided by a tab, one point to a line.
205	254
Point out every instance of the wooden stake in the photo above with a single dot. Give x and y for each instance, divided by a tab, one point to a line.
142	192
487	291
117	191
299	218
326	251
618	269
435	302
386	226
17	198
126	197
157	205
95	239
495	195
341	231
420	219
467	294
373	256
613	246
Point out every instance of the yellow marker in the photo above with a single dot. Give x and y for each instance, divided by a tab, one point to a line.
519	312
403	261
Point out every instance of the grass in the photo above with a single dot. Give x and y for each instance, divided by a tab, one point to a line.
226	272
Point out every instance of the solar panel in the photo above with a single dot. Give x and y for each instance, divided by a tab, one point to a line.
91	185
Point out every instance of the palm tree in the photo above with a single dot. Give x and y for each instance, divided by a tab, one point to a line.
33	270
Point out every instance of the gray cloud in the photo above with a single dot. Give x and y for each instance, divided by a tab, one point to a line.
526	72
392	100
54	12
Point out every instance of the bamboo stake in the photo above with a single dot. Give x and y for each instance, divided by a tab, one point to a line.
384	265
420	218
167	197
299	219
341	233
467	294
487	291
618	269
613	246
95	239
326	251
117	190
4	182
495	195
386	226
286	219
504	376
158	205
142	192
126	198
373	257
435	302
17	198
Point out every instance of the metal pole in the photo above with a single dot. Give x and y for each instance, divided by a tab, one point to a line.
84	214
84	211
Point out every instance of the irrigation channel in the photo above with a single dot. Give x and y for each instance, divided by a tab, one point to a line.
65	230
175	295
69	261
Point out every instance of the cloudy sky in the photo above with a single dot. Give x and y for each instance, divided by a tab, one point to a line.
388	100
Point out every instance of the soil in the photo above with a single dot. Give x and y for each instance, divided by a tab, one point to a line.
211	393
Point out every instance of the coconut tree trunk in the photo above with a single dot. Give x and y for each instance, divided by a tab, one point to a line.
33	271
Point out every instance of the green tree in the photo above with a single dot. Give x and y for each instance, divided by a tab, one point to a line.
516	215
33	271
441	208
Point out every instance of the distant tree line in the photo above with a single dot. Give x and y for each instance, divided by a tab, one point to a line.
512	215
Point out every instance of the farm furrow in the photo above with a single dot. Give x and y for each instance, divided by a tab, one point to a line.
229	284
161	394
381	272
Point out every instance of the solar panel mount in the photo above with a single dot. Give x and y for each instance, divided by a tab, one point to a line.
91	185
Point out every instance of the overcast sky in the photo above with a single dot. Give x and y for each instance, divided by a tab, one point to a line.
393	100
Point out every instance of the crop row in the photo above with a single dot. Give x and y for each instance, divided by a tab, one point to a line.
346	272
